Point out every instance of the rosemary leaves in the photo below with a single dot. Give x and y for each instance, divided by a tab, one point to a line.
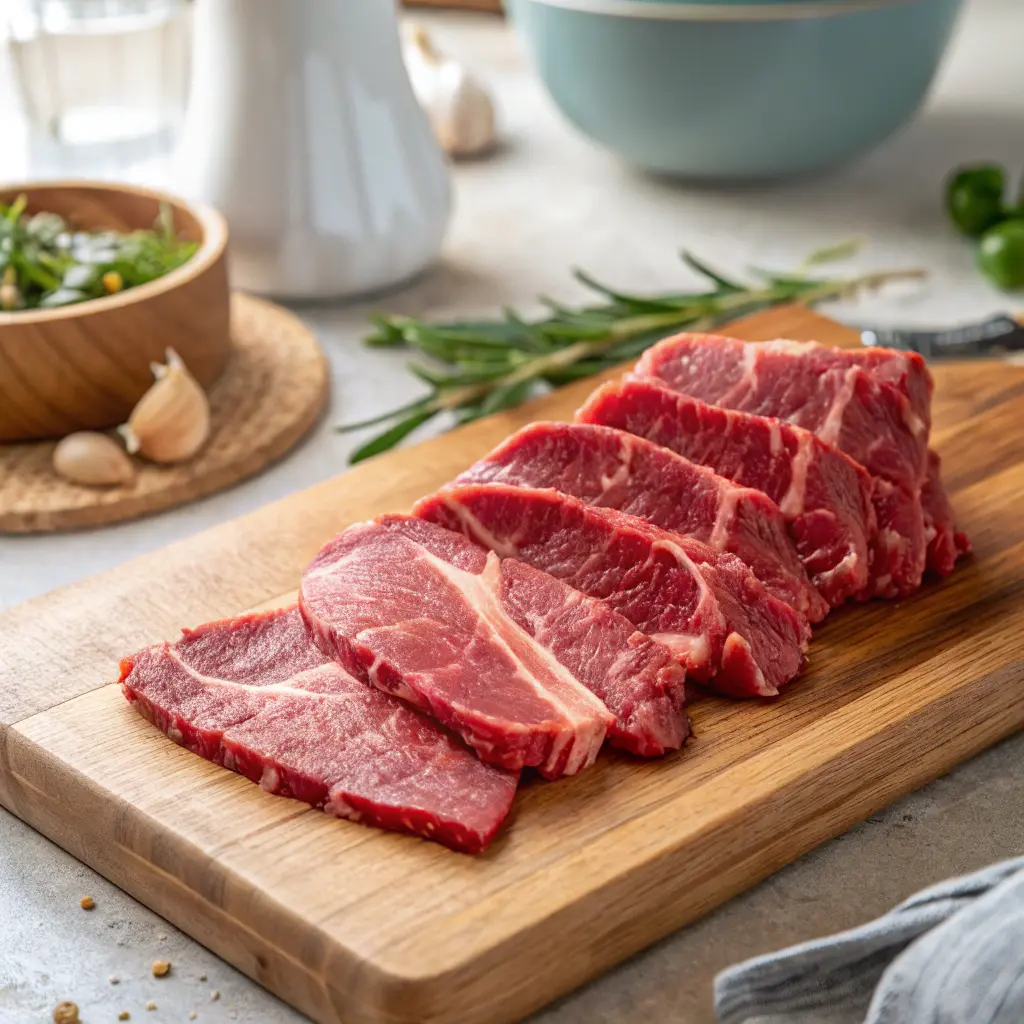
481	367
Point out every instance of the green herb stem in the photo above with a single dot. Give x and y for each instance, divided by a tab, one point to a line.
493	365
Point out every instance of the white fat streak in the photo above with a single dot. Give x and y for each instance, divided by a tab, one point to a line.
788	346
620	476
775	445
402	689
720	532
487	539
913	421
481	591
686	645
689	647
325	570
292	686
270	779
792	503
841	568
833	424
750	356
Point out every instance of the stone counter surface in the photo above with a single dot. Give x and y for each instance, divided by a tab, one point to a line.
545	202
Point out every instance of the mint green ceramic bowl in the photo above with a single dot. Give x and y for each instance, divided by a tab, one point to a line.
737	89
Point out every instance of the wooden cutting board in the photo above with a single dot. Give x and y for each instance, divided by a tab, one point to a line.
355	925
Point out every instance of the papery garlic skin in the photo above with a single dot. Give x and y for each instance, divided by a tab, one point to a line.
459	108
94	459
171	421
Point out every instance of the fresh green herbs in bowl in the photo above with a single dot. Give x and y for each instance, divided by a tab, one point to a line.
45	262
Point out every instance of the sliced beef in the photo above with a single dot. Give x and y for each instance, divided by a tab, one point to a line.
824	496
705	605
874	405
612	469
255	695
831	392
514	660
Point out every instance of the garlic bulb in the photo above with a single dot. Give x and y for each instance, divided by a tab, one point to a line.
93	459
458	107
172	419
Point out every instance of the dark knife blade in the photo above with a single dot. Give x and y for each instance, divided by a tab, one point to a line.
993	337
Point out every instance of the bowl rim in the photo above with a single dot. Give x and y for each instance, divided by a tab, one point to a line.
703	10
211	249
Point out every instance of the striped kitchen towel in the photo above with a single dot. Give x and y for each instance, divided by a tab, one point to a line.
952	954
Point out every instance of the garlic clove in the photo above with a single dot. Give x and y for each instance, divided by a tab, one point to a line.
93	459
459	108
171	421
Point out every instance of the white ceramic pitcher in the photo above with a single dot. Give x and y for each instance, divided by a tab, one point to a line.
303	130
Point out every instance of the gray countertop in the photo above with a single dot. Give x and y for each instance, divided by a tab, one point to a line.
545	202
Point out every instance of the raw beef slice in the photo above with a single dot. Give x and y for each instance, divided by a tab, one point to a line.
831	392
945	542
255	695
612	469
875	407
824	496
706	606
528	671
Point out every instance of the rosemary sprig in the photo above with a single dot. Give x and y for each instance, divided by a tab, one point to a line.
482	367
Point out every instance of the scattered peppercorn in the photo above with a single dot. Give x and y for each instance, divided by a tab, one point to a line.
124	1015
87	903
65	1013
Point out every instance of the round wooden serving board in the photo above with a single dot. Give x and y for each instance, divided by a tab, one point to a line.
271	393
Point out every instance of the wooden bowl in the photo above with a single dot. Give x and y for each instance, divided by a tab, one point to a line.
85	366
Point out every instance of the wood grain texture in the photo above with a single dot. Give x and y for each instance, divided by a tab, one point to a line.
85	366
272	392
364	927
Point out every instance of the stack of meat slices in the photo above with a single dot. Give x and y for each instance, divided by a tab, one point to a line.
692	523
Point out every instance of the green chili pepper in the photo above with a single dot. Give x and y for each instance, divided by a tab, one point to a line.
974	198
1001	255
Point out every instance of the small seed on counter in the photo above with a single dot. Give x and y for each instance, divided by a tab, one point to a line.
214	995
114	980
124	1015
202	977
161	967
192	1015
87	903
65	1013
151	1005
